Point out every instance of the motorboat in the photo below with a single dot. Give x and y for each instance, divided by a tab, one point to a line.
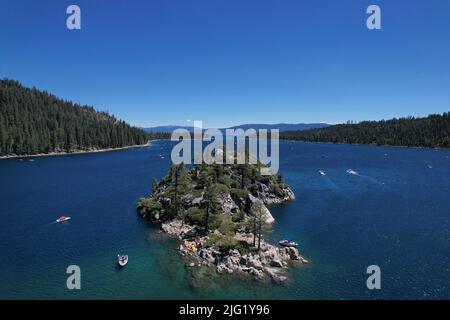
287	243
350	171
122	259
322	173
62	219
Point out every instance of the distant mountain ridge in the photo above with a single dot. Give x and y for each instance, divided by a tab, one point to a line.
283	126
166	129
280	126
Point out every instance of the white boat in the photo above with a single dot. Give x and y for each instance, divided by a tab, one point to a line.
350	171
122	259
322	173
62	219
31	160
287	243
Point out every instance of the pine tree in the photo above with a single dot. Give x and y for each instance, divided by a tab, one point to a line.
257	224
33	121
210	199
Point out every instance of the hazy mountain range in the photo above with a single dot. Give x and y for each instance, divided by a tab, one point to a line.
281	126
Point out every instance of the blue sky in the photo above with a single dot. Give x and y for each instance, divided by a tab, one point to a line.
234	61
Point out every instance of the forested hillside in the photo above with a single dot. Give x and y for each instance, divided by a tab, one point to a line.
432	131
33	121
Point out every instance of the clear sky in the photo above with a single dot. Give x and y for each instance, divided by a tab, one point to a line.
159	62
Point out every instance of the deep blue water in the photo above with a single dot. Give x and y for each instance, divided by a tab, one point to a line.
394	214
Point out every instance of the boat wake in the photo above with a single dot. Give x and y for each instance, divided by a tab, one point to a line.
368	178
41	229
371	179
330	183
49	224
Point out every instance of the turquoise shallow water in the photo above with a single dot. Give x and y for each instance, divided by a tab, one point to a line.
394	214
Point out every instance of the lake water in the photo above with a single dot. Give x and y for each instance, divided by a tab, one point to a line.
395	214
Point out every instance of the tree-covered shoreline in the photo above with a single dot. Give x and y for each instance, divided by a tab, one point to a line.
429	132
35	122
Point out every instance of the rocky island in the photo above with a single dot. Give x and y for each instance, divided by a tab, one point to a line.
219	214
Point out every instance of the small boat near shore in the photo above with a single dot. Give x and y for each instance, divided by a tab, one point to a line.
287	243
62	219
122	259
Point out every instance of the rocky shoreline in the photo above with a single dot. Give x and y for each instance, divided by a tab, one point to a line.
219	214
269	262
